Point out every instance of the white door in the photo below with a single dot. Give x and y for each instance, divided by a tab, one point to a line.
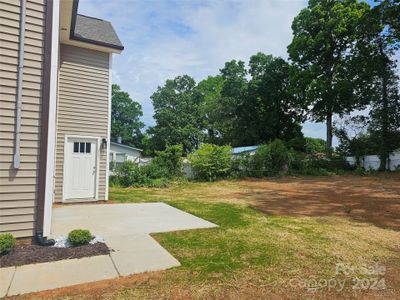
80	168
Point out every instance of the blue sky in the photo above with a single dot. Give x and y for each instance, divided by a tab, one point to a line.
167	38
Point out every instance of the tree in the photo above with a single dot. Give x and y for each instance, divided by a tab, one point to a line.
274	111
211	108
384	39
232	123
125	117
390	13
177	115
385	110
325	35
354	137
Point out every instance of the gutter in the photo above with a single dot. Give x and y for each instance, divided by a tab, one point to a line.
21	50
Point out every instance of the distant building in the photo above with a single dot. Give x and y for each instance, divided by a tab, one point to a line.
372	162
120	153
248	149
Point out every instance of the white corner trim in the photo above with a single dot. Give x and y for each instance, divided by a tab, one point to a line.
98	155
109	125
51	135
64	192
66	164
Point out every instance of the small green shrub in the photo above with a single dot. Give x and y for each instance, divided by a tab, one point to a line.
155	170
7	242
211	162
298	144
241	165
260	162
296	161
279	156
270	159
114	181
314	145
80	237
169	161
130	173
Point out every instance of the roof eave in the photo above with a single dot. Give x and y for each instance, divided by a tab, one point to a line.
72	35
81	39
126	146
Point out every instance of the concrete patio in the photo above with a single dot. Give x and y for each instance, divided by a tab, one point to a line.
126	229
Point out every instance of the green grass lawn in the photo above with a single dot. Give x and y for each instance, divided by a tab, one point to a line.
250	249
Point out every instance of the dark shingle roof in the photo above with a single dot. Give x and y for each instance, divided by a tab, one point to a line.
96	31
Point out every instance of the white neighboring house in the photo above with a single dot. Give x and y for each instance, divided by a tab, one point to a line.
120	153
373	162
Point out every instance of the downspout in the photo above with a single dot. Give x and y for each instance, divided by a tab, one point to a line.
46	81
21	50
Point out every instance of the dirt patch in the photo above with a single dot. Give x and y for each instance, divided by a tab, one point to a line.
30	254
374	200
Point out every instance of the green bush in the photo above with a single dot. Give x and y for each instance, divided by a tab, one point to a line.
130	173
114	181
154	170
317	164
260	164
270	159
241	165
170	161
80	237
314	145
298	144
279	156
211	162
297	161
166	165
7	242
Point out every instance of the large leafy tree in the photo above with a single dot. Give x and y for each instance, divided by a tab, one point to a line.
354	138
177	115
232	124
125	117
390	13
385	104
211	109
325	35
274	112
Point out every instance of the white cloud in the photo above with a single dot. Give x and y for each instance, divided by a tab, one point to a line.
164	39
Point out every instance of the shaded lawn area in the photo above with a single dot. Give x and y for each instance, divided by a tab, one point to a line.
253	254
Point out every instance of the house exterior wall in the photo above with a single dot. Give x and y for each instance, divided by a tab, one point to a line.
119	154
18	188
130	154
82	107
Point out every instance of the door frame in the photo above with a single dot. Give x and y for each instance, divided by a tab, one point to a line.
97	163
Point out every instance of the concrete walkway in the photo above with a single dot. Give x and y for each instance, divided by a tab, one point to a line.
126	229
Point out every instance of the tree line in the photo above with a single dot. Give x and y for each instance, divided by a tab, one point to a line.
341	59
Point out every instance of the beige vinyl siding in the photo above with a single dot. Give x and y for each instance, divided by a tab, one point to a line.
18	188
82	108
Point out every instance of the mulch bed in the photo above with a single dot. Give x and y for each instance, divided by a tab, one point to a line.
30	254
